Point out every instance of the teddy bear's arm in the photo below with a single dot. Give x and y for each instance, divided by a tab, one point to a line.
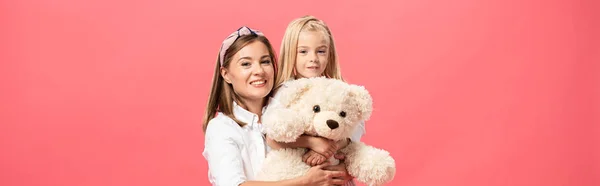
368	164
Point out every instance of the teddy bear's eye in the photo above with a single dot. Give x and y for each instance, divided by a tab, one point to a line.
343	114
316	108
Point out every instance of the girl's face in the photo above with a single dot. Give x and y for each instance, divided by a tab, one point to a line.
312	54
250	72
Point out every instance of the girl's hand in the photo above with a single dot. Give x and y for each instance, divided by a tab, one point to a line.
339	156
323	146
313	158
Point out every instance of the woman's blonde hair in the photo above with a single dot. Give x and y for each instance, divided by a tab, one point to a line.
289	47
222	95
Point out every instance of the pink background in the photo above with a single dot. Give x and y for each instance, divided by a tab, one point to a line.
467	92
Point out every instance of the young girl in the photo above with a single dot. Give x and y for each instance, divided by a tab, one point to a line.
234	145
308	50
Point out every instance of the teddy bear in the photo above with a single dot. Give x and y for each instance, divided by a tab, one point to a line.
328	108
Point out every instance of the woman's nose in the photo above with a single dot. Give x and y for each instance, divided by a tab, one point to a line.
258	69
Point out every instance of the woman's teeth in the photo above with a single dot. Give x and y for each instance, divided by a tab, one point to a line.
258	82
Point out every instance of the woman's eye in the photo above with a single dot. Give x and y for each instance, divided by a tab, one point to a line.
245	64
266	62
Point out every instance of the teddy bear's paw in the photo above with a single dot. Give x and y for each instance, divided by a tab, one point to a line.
370	165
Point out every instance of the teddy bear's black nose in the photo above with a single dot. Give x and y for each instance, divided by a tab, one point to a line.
332	124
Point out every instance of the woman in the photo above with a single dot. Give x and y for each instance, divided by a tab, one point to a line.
234	145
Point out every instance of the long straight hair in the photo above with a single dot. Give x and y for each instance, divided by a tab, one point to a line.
289	47
222	96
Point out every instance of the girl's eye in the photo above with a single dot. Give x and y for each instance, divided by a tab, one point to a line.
245	64
322	51
266	62
302	51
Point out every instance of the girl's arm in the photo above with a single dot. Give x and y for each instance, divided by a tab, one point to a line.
320	145
304	141
313	158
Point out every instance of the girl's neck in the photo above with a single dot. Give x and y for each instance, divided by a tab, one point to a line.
300	77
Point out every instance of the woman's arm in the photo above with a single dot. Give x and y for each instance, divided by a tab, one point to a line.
226	167
316	176
222	152
291	182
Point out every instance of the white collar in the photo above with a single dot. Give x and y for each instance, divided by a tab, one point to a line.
244	115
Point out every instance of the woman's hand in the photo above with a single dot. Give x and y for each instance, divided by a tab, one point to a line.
313	158
323	146
342	168
318	176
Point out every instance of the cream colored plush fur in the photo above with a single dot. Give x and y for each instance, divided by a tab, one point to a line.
295	114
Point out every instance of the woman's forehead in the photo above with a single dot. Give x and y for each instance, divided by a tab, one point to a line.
254	50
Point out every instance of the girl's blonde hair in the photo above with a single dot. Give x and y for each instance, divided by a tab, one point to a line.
222	95
289	47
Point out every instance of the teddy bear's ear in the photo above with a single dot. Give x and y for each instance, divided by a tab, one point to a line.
282	124
364	101
290	92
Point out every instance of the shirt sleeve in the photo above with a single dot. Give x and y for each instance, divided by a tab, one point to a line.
358	132
223	154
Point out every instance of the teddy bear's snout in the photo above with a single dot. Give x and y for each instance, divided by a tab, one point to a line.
328	124
332	124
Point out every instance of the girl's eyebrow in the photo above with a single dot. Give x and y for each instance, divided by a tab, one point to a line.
321	46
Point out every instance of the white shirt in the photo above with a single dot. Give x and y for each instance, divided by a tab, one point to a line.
234	154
